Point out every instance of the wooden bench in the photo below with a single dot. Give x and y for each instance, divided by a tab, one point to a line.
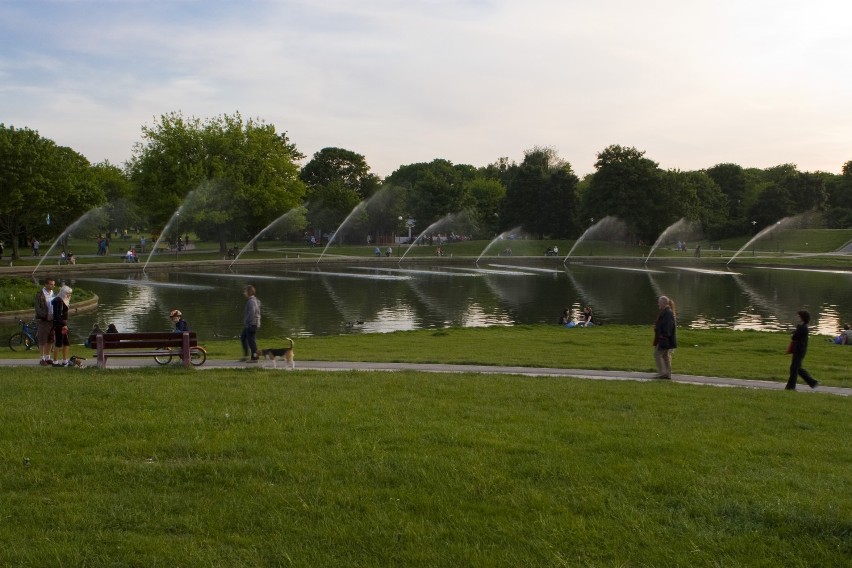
143	344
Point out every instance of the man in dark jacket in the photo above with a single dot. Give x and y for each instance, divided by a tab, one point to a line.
799	345
665	338
44	318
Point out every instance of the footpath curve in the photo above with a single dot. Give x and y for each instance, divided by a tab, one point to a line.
130	362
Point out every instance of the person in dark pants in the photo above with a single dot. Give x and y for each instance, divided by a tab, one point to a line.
799	346
251	321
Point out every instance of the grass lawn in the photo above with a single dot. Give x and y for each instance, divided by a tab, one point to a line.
178	467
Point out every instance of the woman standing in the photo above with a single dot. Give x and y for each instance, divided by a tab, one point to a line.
799	347
251	323
665	337
60	326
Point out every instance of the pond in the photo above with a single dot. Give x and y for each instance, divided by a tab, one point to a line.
365	298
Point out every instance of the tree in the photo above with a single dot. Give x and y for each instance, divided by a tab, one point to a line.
541	195
241	174
629	186
38	178
731	180
337	180
435	189
838	210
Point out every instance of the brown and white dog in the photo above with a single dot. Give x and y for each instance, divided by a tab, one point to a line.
285	353
75	361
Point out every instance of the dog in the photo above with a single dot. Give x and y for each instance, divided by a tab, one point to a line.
75	361
274	355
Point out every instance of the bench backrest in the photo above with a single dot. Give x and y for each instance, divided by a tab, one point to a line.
143	340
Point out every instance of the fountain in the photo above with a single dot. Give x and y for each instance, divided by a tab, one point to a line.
168	226
499	237
607	224
286	215
356	209
443	220
680	228
763	232
68	230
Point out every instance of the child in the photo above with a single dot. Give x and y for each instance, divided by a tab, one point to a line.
180	324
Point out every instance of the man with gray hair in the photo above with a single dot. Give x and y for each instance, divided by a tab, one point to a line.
665	337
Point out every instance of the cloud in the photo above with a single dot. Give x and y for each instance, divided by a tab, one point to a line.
692	83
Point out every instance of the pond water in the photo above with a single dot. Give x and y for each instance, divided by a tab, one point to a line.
305	301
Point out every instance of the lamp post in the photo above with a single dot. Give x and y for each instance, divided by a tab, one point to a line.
410	224
754	229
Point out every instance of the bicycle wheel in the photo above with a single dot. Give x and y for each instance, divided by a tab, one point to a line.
20	340
197	356
165	358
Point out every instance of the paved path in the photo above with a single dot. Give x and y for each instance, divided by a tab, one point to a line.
446	368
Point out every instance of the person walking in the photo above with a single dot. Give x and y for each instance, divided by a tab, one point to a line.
798	348
251	323
60	326
665	337
44	317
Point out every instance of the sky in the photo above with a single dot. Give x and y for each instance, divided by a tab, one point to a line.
692	83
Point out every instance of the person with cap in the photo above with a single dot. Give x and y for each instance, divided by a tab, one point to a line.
181	324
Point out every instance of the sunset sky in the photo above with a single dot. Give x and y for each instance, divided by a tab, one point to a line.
693	83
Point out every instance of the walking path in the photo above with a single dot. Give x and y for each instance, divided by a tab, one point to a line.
447	368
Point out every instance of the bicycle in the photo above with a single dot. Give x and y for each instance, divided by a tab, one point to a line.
24	338
197	356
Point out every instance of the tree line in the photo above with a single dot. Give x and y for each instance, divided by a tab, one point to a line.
231	177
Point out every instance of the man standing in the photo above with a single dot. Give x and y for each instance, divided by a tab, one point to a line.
251	322
44	317
665	337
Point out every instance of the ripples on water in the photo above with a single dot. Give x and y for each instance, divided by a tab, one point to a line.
367	299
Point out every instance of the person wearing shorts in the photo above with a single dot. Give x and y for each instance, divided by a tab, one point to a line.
44	319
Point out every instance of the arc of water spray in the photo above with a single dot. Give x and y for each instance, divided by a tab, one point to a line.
764	231
257	236
68	230
443	219
603	222
497	238
168	226
671	228
357	208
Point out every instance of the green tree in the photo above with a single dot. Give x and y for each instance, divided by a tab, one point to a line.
732	181
337	180
487	196
629	186
541	195
435	189
38	178
240	173
838	210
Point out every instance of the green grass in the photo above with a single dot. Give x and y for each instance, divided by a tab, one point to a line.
252	468
19	294
715	352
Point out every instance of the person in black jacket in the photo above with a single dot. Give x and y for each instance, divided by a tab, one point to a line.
799	345
60	326
665	337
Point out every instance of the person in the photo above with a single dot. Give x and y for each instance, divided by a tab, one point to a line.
798	348
60	326
36	246
588	317
44	317
565	319
843	337
377	251
181	324
128	256
251	323
389	252
1	250
142	245
665	337
697	253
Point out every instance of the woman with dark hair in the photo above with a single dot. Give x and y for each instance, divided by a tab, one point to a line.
798	348
665	337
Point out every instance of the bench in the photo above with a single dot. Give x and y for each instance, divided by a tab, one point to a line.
143	344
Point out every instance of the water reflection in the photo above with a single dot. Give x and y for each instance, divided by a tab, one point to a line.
364	299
